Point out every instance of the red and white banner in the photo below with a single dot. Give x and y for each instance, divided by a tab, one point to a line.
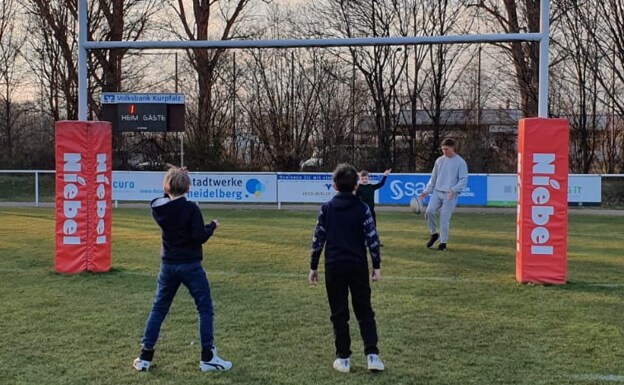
83	197
100	193
542	222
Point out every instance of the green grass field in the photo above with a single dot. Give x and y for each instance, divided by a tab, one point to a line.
443	318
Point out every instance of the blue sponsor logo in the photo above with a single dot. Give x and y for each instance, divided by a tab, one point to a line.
254	187
399	189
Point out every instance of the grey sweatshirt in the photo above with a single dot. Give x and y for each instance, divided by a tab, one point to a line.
448	174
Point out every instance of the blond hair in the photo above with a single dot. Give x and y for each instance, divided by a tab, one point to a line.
176	181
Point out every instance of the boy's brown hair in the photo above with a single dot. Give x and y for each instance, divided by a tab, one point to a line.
363	173
448	142
345	178
176	181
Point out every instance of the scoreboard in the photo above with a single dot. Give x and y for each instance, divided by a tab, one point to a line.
133	112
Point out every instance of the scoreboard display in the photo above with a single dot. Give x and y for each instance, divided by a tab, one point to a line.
142	117
143	112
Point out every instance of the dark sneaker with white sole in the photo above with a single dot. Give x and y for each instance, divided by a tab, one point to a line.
432	240
144	360
442	247
141	365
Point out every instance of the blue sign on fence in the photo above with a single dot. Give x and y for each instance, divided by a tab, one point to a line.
400	188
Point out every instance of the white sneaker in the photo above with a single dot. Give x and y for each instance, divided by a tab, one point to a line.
342	365
141	365
374	363
215	364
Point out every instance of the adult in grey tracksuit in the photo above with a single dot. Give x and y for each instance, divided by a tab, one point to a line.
448	178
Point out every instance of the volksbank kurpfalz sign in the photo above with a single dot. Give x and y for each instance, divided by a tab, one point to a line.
120	97
143	112
400	188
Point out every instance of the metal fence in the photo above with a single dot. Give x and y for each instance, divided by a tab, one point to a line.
36	187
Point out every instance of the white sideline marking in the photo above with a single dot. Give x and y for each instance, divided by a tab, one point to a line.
600	377
276	275
304	275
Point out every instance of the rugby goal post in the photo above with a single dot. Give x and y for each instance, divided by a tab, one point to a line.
534	209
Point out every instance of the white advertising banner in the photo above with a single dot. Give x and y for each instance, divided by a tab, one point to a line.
502	190
305	187
585	189
205	187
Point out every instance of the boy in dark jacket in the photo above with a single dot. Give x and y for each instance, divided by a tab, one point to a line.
183	233
366	191
345	228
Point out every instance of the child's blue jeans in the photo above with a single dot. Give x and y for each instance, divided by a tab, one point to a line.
170	277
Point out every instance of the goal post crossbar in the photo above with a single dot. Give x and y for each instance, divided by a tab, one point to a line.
307	43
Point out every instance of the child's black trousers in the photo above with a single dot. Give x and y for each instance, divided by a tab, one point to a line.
340	279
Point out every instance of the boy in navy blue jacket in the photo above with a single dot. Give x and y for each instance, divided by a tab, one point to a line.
183	233
345	228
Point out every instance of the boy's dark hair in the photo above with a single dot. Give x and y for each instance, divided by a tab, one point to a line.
345	177
448	142
176	181
363	173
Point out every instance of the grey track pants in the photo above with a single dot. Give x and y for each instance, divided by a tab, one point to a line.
440	203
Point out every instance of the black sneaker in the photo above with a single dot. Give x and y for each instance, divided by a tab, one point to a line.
432	240
442	247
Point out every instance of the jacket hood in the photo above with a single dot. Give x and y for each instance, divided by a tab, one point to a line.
164	209
344	200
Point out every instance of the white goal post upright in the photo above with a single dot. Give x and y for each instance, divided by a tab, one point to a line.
542	37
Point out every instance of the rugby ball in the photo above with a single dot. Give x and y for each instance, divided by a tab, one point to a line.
416	205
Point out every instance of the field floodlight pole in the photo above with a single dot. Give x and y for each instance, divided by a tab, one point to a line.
542	109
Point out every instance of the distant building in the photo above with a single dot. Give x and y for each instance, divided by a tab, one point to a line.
496	120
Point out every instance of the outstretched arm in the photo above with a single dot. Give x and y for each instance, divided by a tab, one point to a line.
383	180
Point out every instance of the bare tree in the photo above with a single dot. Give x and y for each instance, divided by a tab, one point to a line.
578	87
609	40
54	40
420	24
209	20
515	16
442	73
380	67
54	44
283	106
10	78
486	143
118	20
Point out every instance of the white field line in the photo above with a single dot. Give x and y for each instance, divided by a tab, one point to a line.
274	275
304	276
600	377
